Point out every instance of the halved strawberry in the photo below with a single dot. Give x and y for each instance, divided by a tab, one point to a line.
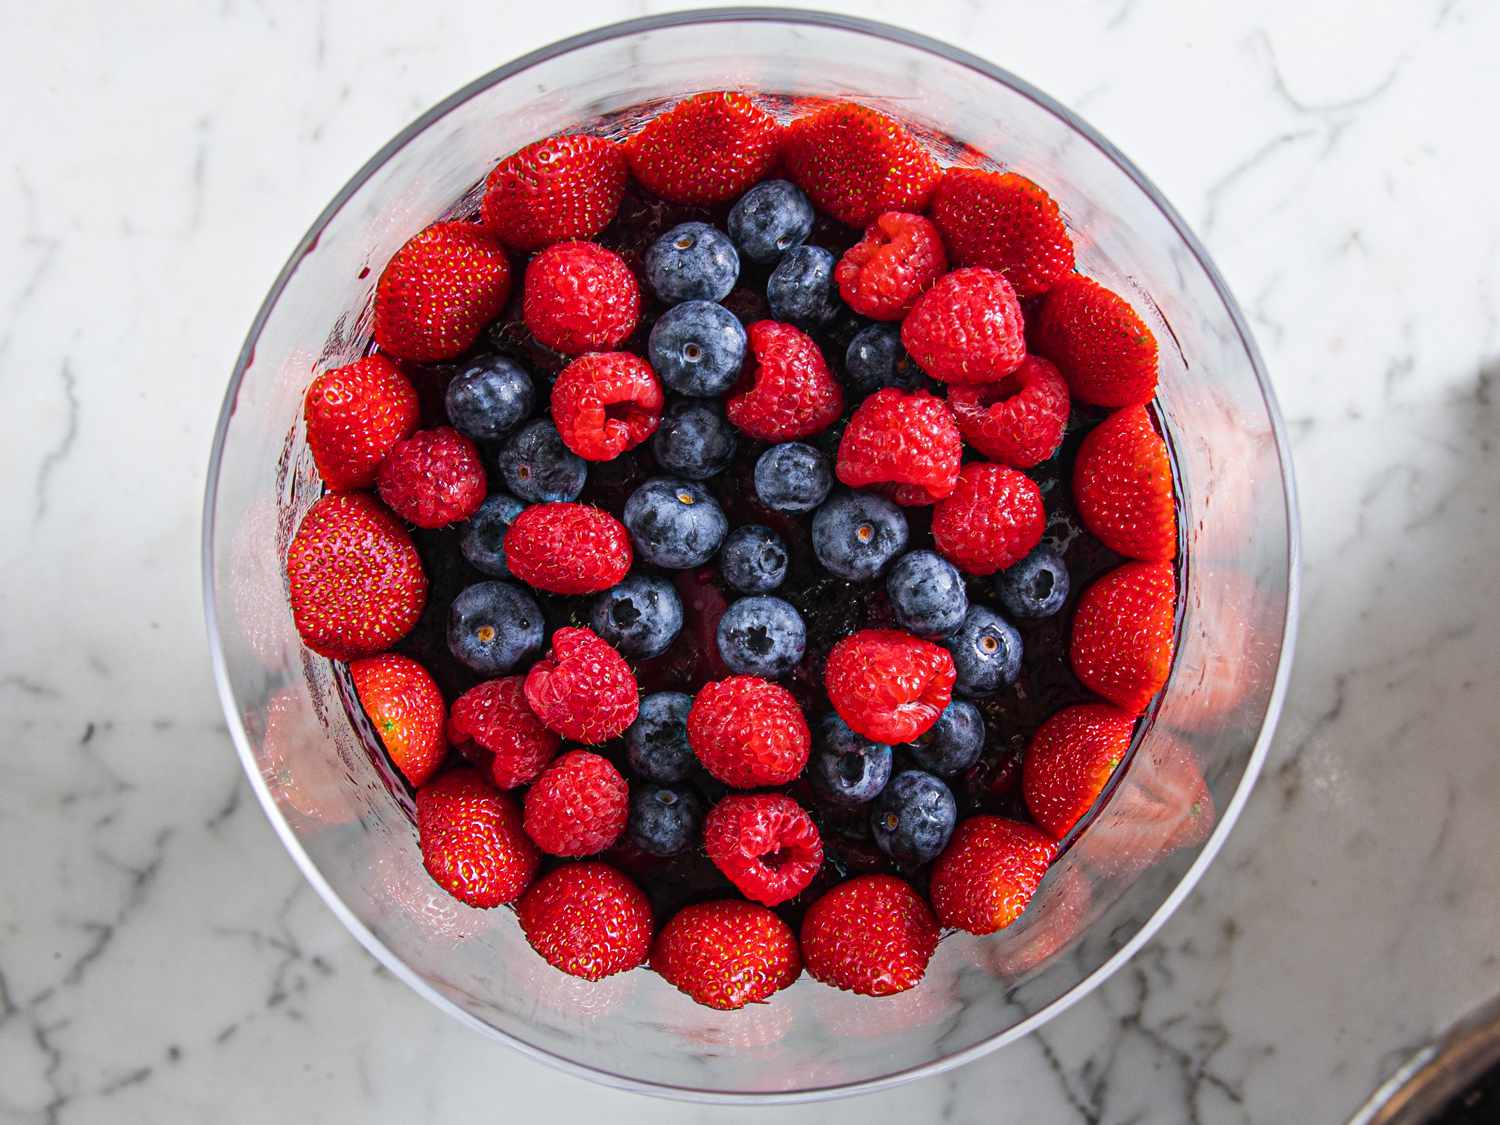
707	149
554	190
1122	634
355	414
406	709
1071	758
1003	221
856	163
1099	343
1122	484
438	292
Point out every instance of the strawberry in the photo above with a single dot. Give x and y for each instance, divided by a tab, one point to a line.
553	190
907	440
991	520
471	839
568	548
872	935
492	725
1002	221
1099	343
1059	911
605	404
765	844
888	685
1071	758
988	872
580	297
899	257
438	292
1017	421
578	806
1122	484
727	953
967	328
1122	634
786	391
587	919
856	163
582	688
707	149
433	478
406	709
748	732
1161	804
354	415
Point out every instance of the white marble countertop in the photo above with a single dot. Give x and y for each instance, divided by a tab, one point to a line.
161	959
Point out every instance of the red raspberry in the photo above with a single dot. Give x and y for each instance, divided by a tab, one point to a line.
856	163
967	328
406	709
438	292
491	724
1122	483
433	478
991	520
606	403
582	688
872	935
1104	350
765	844
1017	421
579	297
578	806
555	189
786	391
587	919
1004	222
567	548
354	579
883	274
906	439
888	685
471	840
707	149
727	954
1070	760
1122	634
354	415
987	874
748	732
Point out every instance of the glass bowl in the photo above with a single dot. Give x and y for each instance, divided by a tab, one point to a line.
347	820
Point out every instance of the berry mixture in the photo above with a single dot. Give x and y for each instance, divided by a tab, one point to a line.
751	541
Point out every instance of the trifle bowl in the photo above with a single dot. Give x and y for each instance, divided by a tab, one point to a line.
344	812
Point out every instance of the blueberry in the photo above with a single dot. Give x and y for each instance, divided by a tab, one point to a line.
753	559
847	768
697	348
483	542
927	593
674	523
986	651
913	817
692	262
761	636
536	466
876	359
657	742
664	821
800	289
489	398
494	626
693	440
769	220
641	616
854	534
793	477
953	743
1037	586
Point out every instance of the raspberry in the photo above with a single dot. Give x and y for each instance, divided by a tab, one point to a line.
579	297
1018	420
438	292
492	724
606	403
587	919
1069	762
433	478
1122	484
883	274
988	872
1003	221
727	954
406	709
967	328
567	548
872	935
888	685
904	439
354	415
578	806
582	688
748	732
786	391
707	149
765	844
555	189
1103	349
856	163
991	520
471	840
1122	634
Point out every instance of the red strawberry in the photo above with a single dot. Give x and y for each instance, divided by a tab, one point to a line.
555	189
991	520
883	274
748	732
988	872
567	548
1017	421
908	440
967	328
406	709
1070	760
439	291
1003	221
354	580
471	839
786	391
1122	634
727	954
1161	804
354	415
1122	483
492	724
587	919
605	404
765	844
578	806
580	297
707	149
433	478
872	935
888	685
582	688
1104	350
856	163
